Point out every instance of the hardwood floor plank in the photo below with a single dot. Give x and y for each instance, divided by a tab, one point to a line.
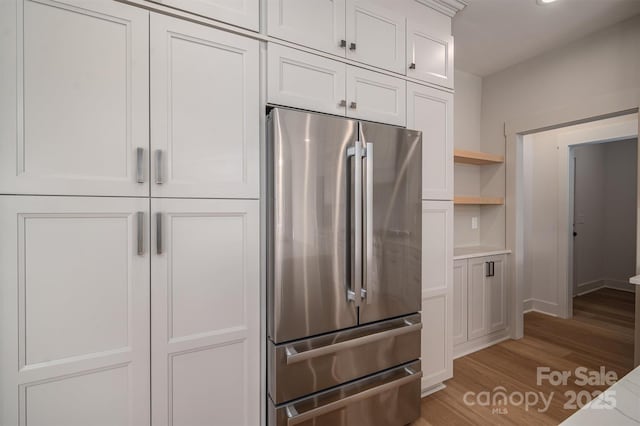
599	334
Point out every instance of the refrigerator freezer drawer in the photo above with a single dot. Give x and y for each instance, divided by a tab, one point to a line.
307	366
391	398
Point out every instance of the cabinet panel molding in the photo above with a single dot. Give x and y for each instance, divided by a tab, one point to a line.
243	13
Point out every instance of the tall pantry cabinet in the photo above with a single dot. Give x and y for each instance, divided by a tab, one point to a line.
129	264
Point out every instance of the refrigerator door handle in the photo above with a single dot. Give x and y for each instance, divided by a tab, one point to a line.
294	356
368	220
295	418
356	283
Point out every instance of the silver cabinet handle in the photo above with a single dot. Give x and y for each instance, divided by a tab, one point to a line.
295	419
368	218
353	105
140	224
412	66
343	103
294	357
159	177
140	165
159	233
343	43
352	46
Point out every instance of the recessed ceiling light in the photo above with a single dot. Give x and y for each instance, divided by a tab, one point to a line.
545	1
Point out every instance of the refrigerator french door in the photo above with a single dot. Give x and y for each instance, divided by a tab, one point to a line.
344	267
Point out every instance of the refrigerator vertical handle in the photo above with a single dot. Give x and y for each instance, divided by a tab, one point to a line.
368	221
356	283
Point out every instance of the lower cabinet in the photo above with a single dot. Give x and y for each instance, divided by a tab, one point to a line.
480	297
90	287
437	292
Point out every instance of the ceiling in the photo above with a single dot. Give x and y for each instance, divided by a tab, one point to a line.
491	35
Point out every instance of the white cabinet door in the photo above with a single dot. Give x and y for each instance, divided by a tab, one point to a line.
204	111
376	97
206	312
74	98
477	290
318	24
497	297
429	56
376	35
303	80
243	13
431	111
74	297
459	301
437	292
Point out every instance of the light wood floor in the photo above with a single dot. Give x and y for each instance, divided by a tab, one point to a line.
599	334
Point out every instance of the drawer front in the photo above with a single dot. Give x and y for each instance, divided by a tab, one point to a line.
391	398
307	366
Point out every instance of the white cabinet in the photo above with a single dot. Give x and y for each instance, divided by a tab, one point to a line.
74	104
205	302
204	111
376	35
319	24
431	111
429	55
375	97
459	301
480	298
437	292
242	13
74	296
302	80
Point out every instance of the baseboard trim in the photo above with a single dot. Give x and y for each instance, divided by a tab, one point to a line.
432	389
480	343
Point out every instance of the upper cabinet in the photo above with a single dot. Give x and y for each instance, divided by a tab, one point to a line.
431	111
204	111
319	24
74	98
303	80
242	13
429	55
375	35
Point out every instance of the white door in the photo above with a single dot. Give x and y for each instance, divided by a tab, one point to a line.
431	111
204	111
74	297
437	292
376	97
74	103
318	24
429	56
376	35
478	293
497	297
206	312
459	301
302	80
243	13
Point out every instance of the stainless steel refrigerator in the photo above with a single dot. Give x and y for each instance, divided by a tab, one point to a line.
344	271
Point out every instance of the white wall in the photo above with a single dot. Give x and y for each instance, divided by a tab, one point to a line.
467	113
544	178
596	75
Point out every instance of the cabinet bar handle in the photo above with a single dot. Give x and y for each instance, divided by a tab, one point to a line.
140	220
343	43
159	179
353	105
412	66
487	272
343	103
159	233
140	165
352	46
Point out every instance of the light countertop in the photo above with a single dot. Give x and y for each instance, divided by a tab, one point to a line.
477	251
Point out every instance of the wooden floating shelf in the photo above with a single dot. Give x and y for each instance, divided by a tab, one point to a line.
476	158
494	201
